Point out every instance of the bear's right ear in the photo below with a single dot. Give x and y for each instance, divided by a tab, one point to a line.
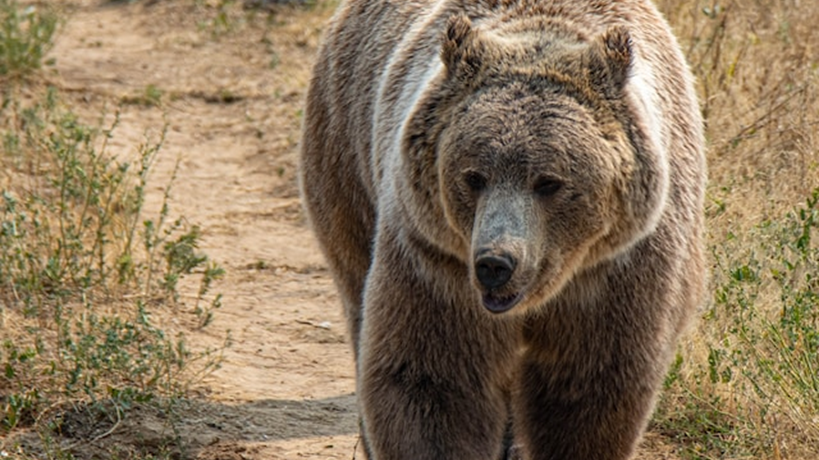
461	49
612	60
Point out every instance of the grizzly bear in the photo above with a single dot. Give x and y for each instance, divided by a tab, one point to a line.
509	195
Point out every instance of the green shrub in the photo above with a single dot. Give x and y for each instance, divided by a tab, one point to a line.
82	272
756	378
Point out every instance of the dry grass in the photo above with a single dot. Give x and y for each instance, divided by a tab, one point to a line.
756	63
745	384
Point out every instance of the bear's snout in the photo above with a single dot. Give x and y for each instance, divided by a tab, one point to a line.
494	270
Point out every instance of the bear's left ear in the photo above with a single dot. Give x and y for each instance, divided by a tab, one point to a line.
613	55
461	50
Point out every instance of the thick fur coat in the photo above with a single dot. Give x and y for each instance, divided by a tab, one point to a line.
509	195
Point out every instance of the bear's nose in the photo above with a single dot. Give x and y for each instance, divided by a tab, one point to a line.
493	270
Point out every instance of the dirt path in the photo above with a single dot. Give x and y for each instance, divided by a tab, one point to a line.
231	101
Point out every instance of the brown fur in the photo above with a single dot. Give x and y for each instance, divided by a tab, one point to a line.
560	136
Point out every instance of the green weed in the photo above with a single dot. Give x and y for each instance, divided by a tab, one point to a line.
26	36
82	272
757	380
224	17
151	96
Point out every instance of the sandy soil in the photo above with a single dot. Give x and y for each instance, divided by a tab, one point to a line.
231	98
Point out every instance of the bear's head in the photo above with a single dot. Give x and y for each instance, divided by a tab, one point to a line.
544	163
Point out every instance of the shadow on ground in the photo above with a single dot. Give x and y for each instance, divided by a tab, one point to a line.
192	429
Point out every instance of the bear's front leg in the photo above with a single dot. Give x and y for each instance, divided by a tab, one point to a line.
433	367
566	419
588	380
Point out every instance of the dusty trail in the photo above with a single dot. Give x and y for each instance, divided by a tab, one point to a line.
232	104
285	389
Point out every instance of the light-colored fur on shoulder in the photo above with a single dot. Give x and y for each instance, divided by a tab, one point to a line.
509	195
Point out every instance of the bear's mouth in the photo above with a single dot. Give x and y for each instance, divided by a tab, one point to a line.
500	304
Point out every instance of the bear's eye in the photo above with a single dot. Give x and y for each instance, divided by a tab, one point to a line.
547	186
475	181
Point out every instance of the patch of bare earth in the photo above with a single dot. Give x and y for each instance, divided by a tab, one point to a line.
231	100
